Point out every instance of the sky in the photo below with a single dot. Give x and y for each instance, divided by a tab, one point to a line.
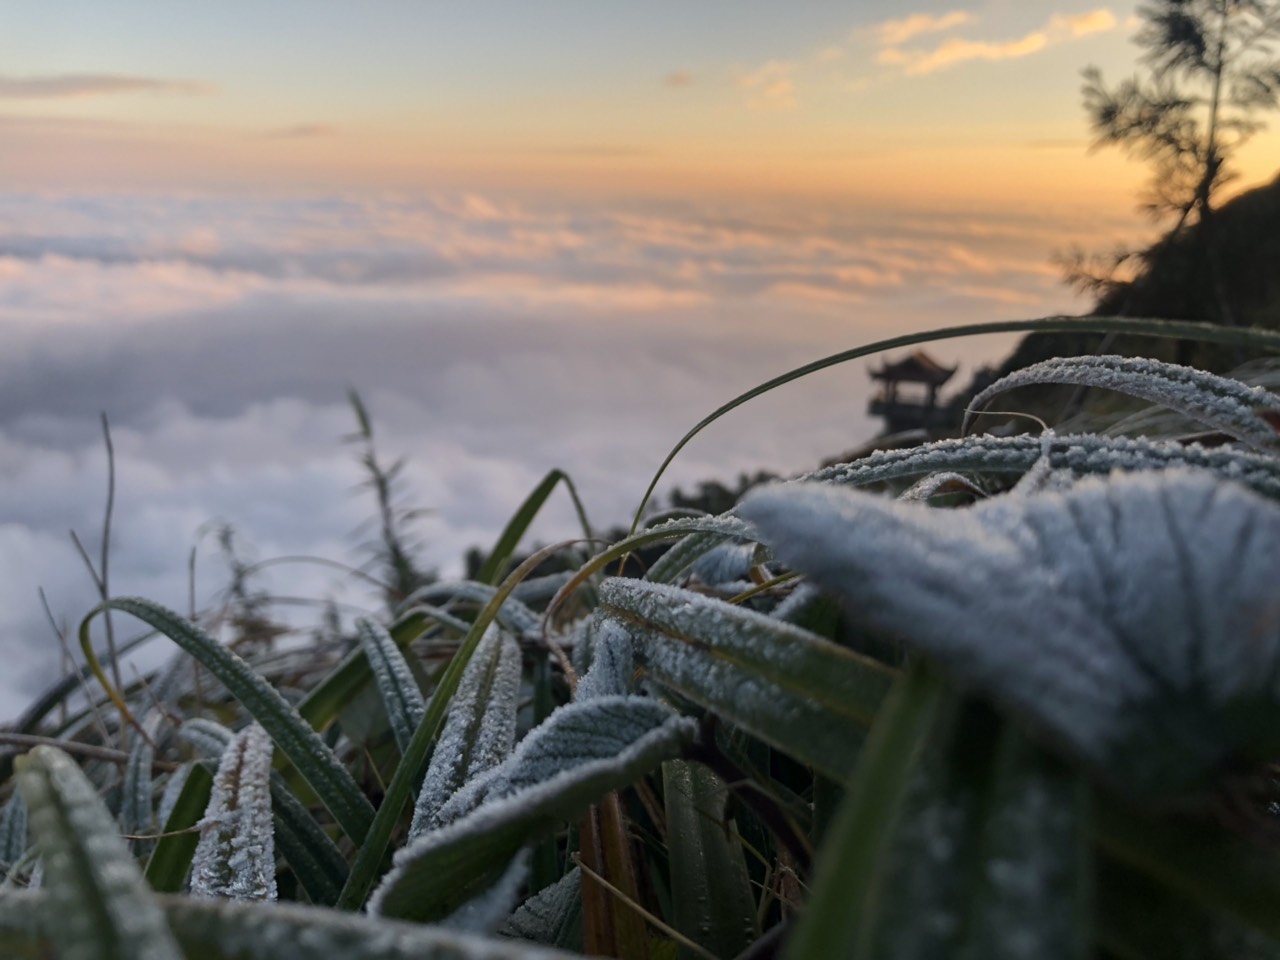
533	235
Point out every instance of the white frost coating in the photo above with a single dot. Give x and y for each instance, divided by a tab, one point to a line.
1227	405
395	681
926	488
543	916
607	743
484	913
13	832
1136	619
172	790
612	663
726	563
93	879
209	737
479	730
1083	454
235	857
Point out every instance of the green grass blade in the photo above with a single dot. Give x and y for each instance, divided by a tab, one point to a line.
711	896
400	694
171	858
104	909
518	525
296	740
414	760
793	689
858	838
321	706
1205	332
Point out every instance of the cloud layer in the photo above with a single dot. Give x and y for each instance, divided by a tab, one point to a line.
492	341
75	85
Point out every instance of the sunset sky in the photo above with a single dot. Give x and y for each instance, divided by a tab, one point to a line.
532	233
871	99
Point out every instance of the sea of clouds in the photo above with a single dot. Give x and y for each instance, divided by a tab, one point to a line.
491	339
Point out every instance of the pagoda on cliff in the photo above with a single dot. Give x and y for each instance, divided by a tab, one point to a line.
908	395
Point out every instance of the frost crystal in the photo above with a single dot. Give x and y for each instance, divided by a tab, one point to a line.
235	857
1136	620
480	728
612	663
396	683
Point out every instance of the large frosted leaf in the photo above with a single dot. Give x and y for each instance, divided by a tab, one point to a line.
236	856
1082	454
480	728
1134	620
581	752
102	906
552	916
247	930
400	694
1247	413
791	688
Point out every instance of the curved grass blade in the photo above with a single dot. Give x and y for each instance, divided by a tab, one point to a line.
1205	332
857	840
235	857
400	694
171	859
103	907
1249	414
321	706
580	753
480	729
414	760
711	896
518	525
248	930
1082	454
298	742
793	689
514	615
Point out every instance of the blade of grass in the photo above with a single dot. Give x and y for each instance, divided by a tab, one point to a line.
519	523
1208	333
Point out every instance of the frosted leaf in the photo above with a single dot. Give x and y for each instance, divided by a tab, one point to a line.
1135	620
1082	454
96	892
552	916
235	856
1247	413
514	615
136	812
582	638
796	604
13	832
791	688
702	535
484	913
479	729
612	663
578	754
542	589
209	737
726	563
939	484
395	681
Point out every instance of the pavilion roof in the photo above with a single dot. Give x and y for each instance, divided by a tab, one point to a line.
916	367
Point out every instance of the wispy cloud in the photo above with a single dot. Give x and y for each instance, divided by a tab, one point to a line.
892	33
300	131
678	78
770	87
917	61
73	85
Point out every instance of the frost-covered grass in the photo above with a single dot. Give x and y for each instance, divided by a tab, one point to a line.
989	697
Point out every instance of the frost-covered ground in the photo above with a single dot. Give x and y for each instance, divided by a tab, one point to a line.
492	340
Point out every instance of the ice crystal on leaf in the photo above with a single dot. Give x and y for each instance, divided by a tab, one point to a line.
235	857
480	728
612	663
1134	620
